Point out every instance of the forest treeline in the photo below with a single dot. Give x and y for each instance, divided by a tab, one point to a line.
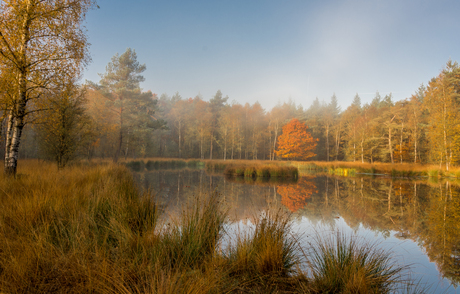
47	112
115	118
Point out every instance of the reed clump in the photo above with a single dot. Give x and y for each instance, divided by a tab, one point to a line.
263	171
344	172
342	264
266	259
162	163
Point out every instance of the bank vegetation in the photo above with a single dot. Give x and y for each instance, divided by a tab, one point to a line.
87	229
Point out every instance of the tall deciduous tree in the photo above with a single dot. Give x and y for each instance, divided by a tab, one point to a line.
441	101
351	119
277	118
178	115
296	142
42	42
65	125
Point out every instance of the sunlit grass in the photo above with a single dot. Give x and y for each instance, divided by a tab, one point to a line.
394	170
342	264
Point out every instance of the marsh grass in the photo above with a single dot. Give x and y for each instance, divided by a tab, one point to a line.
70	231
343	264
393	170
162	163
267	257
262	171
339	168
193	238
87	229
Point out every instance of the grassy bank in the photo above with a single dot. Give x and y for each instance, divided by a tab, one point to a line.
388	169
86	229
340	168
162	163
262	171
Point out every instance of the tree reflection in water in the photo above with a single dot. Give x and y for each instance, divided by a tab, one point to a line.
295	196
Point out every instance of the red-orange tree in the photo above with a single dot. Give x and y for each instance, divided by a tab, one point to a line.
296	142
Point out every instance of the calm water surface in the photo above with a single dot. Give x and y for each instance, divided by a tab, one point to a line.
418	221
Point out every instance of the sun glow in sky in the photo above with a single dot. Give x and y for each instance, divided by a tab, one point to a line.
273	51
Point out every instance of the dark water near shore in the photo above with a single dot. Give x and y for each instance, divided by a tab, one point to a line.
418	222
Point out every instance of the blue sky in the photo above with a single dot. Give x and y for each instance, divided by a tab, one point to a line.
272	51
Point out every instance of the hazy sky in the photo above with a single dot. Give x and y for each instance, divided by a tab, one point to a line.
270	51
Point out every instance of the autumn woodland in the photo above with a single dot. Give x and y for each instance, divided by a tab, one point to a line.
114	118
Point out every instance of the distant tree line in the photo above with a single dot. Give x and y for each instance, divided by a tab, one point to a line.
116	118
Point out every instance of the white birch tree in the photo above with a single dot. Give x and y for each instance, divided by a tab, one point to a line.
41	42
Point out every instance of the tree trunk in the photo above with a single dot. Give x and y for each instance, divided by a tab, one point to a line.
274	142
337	143
225	145
401	143
270	144
17	114
389	145
13	137
354	144
180	145
415	144
233	143
210	152
201	147
120	138
127	146
327	143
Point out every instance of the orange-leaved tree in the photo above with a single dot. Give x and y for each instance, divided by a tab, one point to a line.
296	142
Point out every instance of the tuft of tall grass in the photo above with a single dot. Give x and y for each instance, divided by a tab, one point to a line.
249	172
192	238
216	165
162	163
136	165
342	264
267	256
262	171
433	173
284	172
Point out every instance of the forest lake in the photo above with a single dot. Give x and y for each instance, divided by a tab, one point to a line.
417	221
